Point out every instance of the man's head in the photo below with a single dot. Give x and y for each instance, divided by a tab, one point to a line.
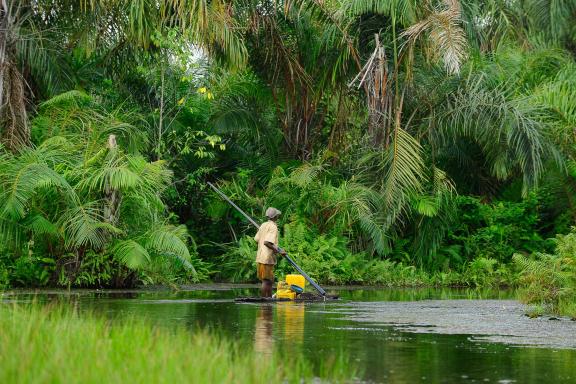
272	213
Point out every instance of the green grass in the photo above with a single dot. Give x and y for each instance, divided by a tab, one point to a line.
54	345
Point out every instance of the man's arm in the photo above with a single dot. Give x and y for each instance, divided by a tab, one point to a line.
274	247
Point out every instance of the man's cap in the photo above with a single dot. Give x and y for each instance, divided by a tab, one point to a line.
272	213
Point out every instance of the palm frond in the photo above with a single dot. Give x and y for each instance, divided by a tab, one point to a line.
511	133
35	48
210	25
305	174
131	254
72	98
350	201
23	182
12	233
446	36
404	10
377	231
403	174
169	240
426	206
436	209
114	173
40	225
85	226
553	16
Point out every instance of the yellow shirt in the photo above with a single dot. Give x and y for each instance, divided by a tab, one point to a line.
267	232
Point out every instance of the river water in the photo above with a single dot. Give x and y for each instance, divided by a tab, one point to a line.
388	335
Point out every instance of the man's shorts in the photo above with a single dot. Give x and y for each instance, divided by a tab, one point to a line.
265	271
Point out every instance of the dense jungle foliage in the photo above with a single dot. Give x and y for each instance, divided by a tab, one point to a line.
406	142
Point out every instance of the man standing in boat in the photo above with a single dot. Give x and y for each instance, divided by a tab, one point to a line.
265	258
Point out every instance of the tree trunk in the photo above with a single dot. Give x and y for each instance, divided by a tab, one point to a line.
111	195
14	128
374	77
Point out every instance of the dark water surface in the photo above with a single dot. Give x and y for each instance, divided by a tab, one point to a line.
391	336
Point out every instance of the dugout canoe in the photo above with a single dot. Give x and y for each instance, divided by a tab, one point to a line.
303	299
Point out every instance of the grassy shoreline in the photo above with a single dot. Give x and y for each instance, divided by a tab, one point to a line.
55	345
481	273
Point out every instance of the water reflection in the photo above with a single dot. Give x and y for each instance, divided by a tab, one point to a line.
280	321
263	337
291	317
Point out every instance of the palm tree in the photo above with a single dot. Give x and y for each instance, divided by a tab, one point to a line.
58	193
13	116
37	39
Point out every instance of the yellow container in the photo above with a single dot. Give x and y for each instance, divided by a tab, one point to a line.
285	294
298	280
282	285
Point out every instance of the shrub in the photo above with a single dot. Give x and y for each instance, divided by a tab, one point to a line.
496	230
549	280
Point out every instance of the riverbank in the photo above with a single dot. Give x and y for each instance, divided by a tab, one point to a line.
52	344
479	273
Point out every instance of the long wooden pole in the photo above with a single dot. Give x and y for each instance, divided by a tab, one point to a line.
296	266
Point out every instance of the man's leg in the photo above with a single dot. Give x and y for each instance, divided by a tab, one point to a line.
261	275
266	288
270	273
